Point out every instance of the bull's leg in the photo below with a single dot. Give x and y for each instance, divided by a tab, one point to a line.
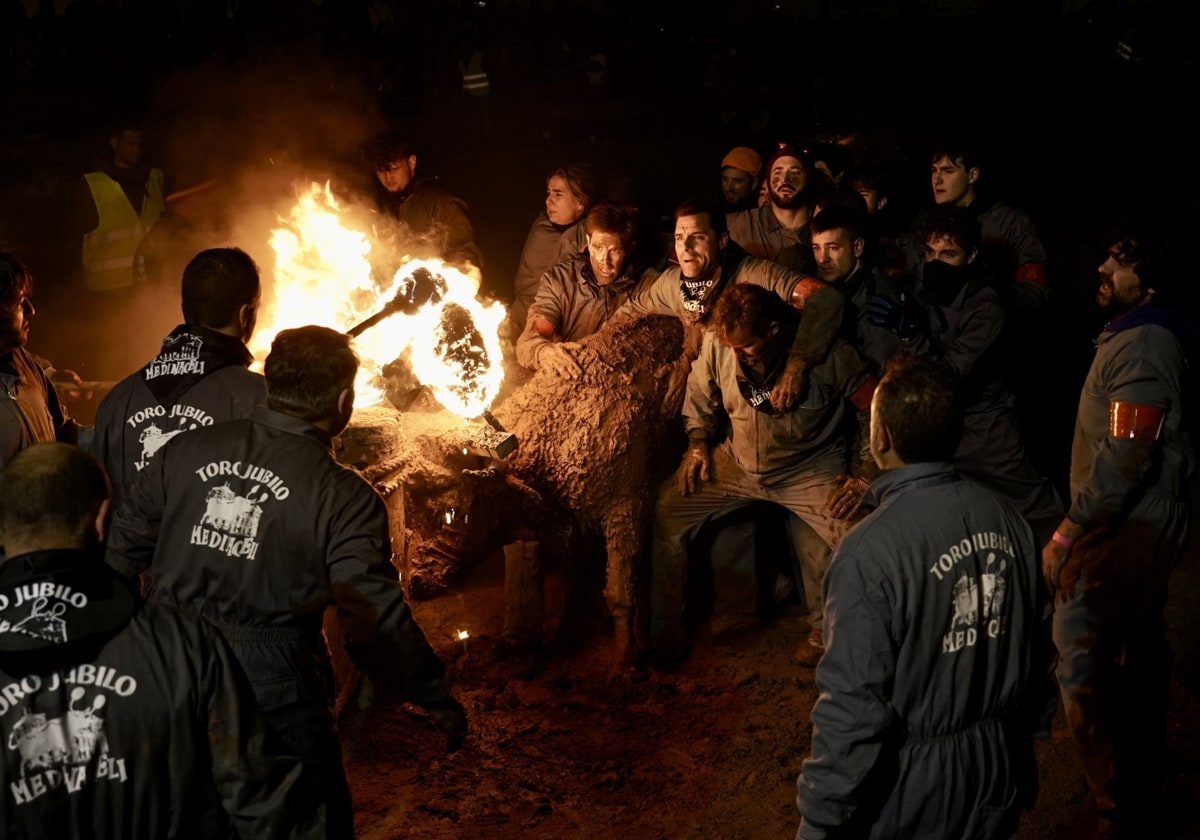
623	534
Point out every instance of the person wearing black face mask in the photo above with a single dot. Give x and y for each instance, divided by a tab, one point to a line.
962	321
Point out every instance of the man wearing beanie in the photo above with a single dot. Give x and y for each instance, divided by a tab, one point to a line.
783	221
740	169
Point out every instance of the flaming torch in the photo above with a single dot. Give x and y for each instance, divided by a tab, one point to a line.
427	314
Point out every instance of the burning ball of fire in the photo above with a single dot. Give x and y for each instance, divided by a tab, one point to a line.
323	275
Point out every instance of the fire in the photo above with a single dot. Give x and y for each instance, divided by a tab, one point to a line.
323	275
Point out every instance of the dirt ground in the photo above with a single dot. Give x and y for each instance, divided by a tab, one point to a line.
563	745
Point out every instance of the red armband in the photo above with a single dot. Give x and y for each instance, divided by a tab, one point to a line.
544	328
805	289
1034	272
1130	421
861	398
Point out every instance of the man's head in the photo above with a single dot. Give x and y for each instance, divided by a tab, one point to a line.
916	415
787	178
870	184
570	191
954	171
52	496
395	162
16	306
700	236
1141	264
837	242
310	374
610	240
221	291
740	169
748	320
831	195
125	141
950	235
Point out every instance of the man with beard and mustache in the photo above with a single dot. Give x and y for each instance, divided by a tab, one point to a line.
200	377
1109	561
31	412
741	449
766	231
960	320
577	296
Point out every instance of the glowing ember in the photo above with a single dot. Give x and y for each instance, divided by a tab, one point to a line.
463	635
323	275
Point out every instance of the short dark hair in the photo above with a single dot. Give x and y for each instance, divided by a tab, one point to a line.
951	222
581	181
216	284
918	401
389	148
956	149
853	220
1154	250
697	207
747	307
615	219
51	490
867	177
15	280
306	370
125	122
832	196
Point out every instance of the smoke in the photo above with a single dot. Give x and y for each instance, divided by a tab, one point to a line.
250	140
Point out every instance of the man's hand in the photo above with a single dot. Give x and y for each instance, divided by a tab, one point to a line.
68	384
901	318
696	467
790	385
452	720
559	359
1054	557
845	500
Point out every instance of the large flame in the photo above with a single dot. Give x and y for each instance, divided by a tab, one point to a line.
323	276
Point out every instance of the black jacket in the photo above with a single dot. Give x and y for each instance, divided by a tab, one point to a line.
123	719
252	523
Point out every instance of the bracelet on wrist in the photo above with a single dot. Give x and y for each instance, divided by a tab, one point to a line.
1065	542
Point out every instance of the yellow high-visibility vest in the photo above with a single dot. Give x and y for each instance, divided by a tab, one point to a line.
110	249
475	78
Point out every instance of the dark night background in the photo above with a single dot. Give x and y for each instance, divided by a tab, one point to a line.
1081	108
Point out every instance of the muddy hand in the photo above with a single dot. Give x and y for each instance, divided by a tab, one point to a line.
1054	557
68	384
789	387
845	500
560	360
696	468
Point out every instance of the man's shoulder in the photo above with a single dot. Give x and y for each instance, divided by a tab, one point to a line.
431	191
237	376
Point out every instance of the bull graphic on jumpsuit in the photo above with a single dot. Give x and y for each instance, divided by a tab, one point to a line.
975	602
74	738
226	511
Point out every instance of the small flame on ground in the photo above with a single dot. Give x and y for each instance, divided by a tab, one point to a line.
463	635
323	276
